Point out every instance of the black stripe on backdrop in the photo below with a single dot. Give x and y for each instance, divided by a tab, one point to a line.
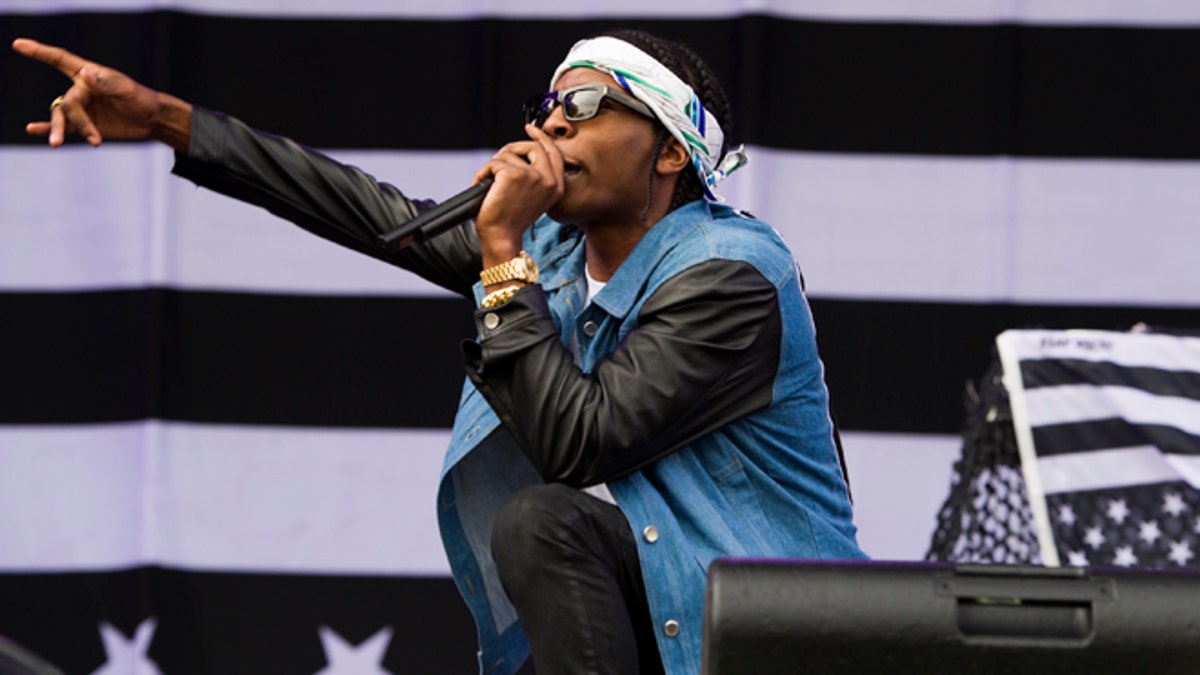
1052	372
394	362
230	357
1111	433
840	87
904	366
237	623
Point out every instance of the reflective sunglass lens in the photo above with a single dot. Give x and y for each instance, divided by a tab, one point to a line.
578	105
582	104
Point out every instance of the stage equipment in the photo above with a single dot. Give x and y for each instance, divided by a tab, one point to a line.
862	617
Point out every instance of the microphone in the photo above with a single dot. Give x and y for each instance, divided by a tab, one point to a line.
427	224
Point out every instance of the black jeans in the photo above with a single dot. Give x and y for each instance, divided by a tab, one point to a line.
569	564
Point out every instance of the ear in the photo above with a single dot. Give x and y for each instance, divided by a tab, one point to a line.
674	158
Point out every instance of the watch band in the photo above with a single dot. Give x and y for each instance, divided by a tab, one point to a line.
497	298
520	268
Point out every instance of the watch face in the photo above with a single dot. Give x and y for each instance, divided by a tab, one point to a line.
530	270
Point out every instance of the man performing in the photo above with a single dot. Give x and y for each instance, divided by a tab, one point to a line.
644	395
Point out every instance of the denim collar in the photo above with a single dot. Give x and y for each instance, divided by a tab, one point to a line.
625	287
562	259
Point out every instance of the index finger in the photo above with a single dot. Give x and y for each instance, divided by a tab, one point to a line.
67	63
552	152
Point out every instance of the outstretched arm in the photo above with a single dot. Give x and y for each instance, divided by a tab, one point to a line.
105	103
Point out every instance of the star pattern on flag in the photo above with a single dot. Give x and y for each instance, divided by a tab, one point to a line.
128	655
1066	515
1117	511
1107	426
1125	557
347	659
1173	504
1181	553
1148	531
1155	526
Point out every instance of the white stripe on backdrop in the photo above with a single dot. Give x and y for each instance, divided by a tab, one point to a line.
861	226
1116	468
220	497
1074	12
324	501
1069	404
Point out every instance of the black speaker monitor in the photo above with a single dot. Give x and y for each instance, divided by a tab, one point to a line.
884	617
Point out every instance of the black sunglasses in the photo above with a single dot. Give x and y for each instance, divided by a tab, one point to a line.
578	103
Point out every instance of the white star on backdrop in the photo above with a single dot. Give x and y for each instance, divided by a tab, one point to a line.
1094	538
1173	504
128	656
1181	553
1077	558
1125	557
346	659
1066	515
1118	511
1149	532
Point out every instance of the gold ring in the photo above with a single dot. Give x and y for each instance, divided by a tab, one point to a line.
55	103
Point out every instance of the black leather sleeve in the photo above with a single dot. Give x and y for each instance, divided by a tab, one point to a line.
332	200
705	353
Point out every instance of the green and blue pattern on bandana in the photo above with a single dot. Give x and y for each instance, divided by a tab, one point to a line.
673	102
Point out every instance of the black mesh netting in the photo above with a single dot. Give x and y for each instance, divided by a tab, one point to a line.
986	518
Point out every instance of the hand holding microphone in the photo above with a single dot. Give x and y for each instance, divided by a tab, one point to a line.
539	168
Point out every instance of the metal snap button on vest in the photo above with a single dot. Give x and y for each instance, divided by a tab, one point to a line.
590	328
491	320
671	628
650	533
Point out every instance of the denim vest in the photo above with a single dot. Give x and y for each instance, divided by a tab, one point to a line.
766	485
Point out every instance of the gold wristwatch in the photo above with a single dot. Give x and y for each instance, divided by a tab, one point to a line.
520	268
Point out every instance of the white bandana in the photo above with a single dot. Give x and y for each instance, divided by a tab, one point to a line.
670	98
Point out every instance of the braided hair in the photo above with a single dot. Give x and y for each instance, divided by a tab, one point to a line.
689	67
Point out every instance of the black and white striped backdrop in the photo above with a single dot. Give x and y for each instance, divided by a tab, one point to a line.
220	437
